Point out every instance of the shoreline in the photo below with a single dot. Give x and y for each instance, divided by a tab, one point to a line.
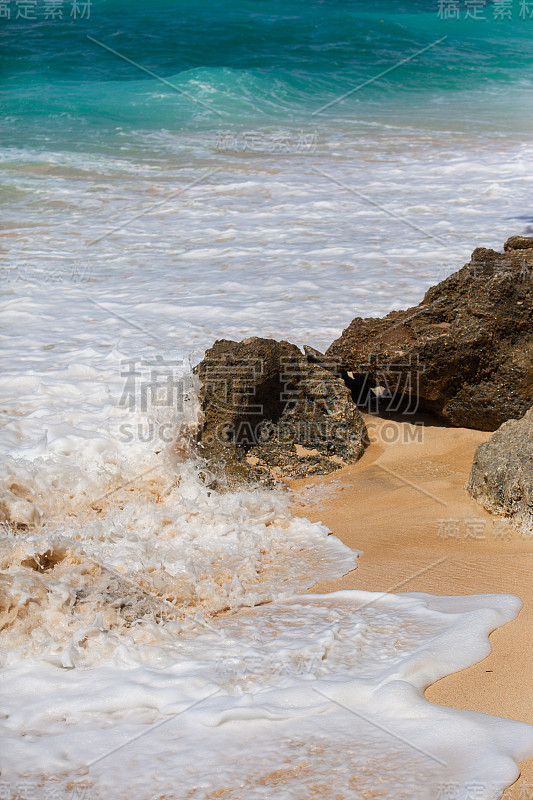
405	506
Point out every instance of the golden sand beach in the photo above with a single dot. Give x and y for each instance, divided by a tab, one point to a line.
405	506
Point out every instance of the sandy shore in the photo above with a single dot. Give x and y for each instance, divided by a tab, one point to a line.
404	504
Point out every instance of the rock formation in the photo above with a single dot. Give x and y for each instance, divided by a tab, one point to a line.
502	474
465	353
271	411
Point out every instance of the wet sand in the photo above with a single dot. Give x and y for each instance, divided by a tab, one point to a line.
404	504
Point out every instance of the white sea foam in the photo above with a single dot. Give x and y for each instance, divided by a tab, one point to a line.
316	695
131	589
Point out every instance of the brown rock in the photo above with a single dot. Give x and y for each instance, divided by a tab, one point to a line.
270	411
465	353
502	473
518	243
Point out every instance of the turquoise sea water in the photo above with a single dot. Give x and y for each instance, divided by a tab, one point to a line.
235	63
